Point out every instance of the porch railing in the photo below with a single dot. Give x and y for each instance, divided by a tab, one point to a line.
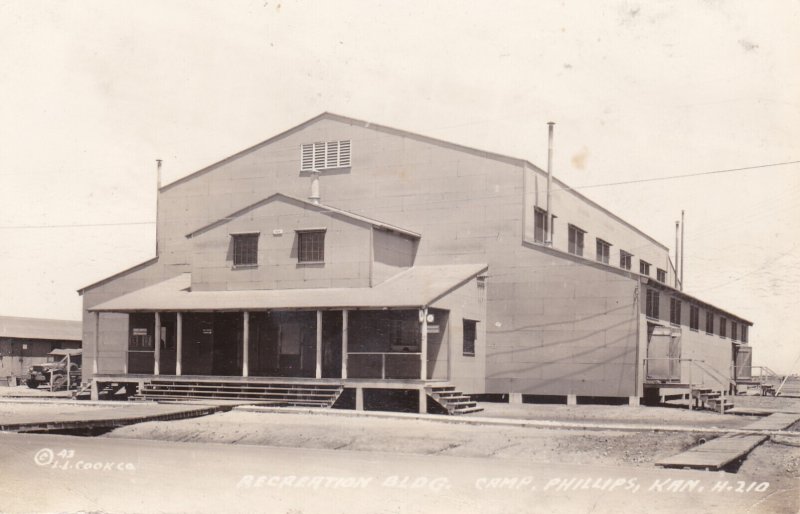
401	365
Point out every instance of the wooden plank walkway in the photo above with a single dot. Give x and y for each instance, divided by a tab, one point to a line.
722	451
117	416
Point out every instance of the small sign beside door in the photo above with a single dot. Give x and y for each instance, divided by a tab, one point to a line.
433	329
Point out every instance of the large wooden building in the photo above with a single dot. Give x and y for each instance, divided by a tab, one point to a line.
361	257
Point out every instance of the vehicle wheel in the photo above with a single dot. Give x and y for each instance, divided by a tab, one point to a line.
33	384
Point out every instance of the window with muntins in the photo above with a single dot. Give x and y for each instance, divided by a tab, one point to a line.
674	311
651	304
325	155
734	331
245	249
311	246
575	240
744	333
723	327
644	267
694	318
709	322
603	251
470	335
661	275
539	229
625	259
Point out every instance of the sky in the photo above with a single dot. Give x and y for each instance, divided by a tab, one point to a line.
95	91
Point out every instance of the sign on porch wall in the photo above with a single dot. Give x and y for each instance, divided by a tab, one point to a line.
433	329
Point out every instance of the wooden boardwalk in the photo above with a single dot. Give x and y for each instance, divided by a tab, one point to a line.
111	417
724	450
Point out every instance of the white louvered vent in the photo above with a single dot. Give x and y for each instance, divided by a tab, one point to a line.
325	155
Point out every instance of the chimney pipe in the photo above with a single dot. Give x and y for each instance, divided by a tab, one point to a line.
683	226
548	217
158	194
314	197
677	256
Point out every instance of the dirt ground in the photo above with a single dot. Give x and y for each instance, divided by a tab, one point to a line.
24	391
417	436
778	458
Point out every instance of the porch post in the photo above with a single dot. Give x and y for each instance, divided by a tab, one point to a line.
96	342
179	343
157	342
319	344
344	343
423	358
246	344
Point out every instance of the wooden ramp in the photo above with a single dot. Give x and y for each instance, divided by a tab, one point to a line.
724	450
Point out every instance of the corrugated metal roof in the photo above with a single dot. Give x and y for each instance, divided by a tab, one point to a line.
39	328
415	287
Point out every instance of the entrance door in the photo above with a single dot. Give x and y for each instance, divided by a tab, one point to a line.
141	343
332	344
663	354
743	361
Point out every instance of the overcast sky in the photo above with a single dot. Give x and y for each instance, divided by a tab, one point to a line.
93	92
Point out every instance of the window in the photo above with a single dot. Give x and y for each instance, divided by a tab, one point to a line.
644	267
625	259
311	246
709	322
661	275
734	331
674	311
723	326
576	240
245	249
694	318
744	333
651	305
539	225
603	251
325	155
470	334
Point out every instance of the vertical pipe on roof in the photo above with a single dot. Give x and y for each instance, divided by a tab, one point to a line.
547	222
683	226
677	256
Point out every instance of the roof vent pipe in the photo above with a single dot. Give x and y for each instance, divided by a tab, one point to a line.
314	197
549	216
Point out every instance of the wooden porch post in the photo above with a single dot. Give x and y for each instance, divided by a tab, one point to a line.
157	342
246	345
319	344
179	343
96	342
344	343
423	357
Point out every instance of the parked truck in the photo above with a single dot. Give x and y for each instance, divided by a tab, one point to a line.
62	370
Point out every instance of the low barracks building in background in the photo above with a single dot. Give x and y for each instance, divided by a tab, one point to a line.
423	263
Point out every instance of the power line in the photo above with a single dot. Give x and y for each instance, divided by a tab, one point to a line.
673	177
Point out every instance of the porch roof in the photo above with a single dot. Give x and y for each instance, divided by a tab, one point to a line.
412	288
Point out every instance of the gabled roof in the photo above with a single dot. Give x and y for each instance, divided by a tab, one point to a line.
39	328
411	135
412	288
135	267
325	209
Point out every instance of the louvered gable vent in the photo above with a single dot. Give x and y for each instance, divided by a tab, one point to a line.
325	155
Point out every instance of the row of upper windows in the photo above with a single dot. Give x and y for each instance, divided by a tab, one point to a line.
602	247
310	247
652	311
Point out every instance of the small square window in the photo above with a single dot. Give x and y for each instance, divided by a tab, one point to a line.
644	267
470	335
311	246
625	259
575	240
245	249
603	251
